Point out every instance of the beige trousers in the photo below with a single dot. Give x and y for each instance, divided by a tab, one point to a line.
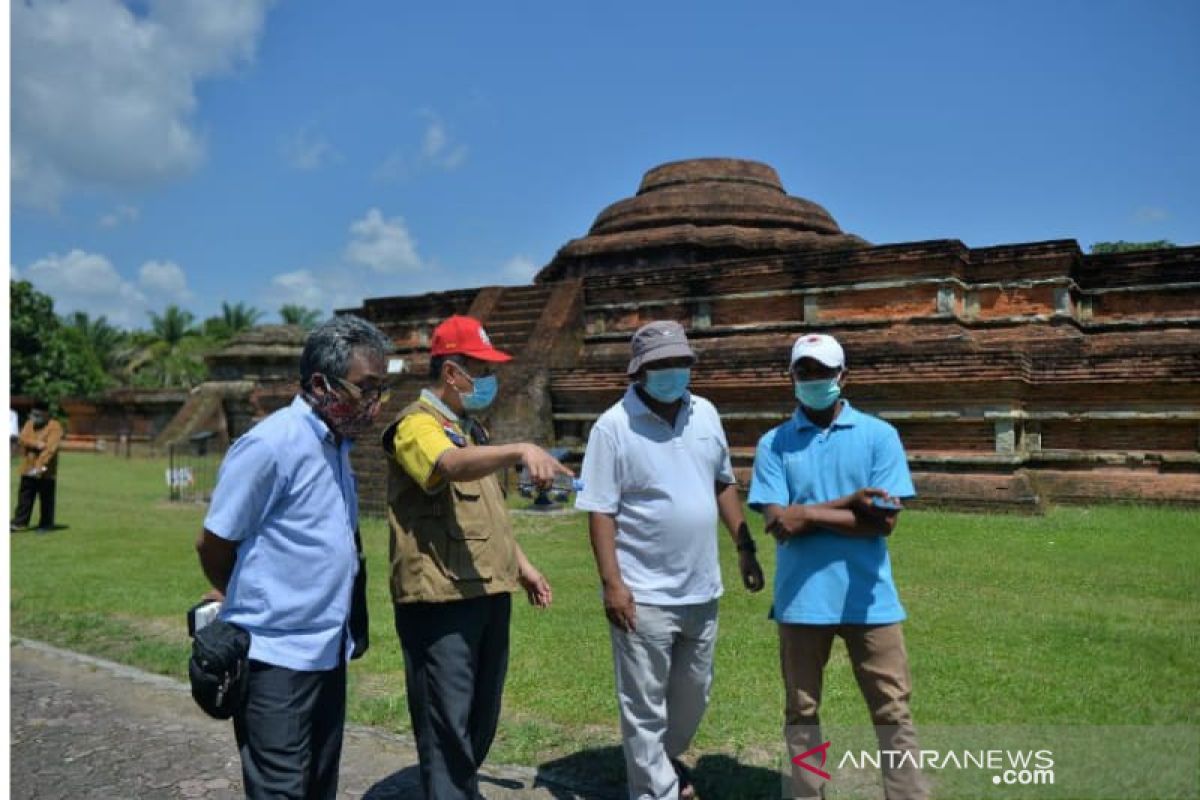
880	665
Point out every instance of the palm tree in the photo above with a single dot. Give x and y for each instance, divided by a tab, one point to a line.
173	325
171	353
108	342
306	318
233	320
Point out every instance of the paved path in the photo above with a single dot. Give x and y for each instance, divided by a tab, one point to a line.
87	728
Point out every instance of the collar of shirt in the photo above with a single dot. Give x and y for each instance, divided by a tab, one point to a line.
638	408
435	401
301	407
846	418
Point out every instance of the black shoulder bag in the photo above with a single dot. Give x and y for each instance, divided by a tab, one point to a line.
360	632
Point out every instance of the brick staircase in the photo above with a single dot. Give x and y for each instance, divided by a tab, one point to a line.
202	411
516	315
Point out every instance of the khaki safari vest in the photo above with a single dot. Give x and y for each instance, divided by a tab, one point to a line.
454	544
39	447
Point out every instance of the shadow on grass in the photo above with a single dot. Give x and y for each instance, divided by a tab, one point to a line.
599	774
722	777
38	529
406	785
402	785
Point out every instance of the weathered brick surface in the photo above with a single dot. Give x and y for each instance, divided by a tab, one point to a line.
1146	305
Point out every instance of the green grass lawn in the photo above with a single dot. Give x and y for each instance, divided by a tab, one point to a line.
1085	615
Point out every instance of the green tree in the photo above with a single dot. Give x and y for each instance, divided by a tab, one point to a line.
306	318
1122	246
107	343
233	320
46	360
173	325
171	354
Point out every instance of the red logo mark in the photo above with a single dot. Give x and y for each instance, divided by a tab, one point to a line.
823	749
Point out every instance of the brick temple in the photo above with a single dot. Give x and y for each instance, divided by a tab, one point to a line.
1017	375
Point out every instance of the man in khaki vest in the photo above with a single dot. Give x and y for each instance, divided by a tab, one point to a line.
39	441
454	559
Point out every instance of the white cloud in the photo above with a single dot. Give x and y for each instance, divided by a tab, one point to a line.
520	269
437	151
119	216
300	288
436	148
105	97
380	259
325	290
1150	214
164	281
383	245
82	281
306	151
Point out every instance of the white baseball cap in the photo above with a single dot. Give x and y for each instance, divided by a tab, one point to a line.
820	346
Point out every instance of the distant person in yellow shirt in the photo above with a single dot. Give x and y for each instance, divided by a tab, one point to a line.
38	441
455	562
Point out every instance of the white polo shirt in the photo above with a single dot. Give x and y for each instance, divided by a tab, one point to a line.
659	482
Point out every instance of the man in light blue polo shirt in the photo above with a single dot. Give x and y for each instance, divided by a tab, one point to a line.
656	476
279	545
829	483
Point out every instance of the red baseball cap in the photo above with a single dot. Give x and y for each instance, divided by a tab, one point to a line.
464	336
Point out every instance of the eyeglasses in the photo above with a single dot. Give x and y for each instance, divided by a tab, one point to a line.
378	393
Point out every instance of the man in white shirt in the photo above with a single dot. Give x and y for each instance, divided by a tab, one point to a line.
656	475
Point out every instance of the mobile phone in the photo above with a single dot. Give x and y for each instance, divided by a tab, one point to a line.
886	504
201	614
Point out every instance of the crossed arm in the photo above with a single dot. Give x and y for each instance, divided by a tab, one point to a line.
47	447
852	515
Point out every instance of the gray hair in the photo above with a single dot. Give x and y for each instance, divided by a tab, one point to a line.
332	344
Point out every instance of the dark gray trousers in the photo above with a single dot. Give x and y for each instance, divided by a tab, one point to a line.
455	660
289	733
41	488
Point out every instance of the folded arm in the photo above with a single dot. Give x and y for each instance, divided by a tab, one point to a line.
853	515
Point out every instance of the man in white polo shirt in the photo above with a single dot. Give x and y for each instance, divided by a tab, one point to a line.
656	475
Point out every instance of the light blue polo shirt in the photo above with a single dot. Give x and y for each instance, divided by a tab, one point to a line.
825	578
660	483
286	494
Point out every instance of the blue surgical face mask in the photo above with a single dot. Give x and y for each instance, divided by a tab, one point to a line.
667	385
818	395
483	393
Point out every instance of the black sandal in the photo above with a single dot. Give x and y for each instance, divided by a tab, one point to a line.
685	779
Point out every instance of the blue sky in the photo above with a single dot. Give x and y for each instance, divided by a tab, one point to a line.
195	151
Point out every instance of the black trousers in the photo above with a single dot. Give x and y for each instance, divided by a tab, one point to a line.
455	660
41	488
289	733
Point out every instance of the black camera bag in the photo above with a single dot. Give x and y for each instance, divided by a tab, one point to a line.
219	668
